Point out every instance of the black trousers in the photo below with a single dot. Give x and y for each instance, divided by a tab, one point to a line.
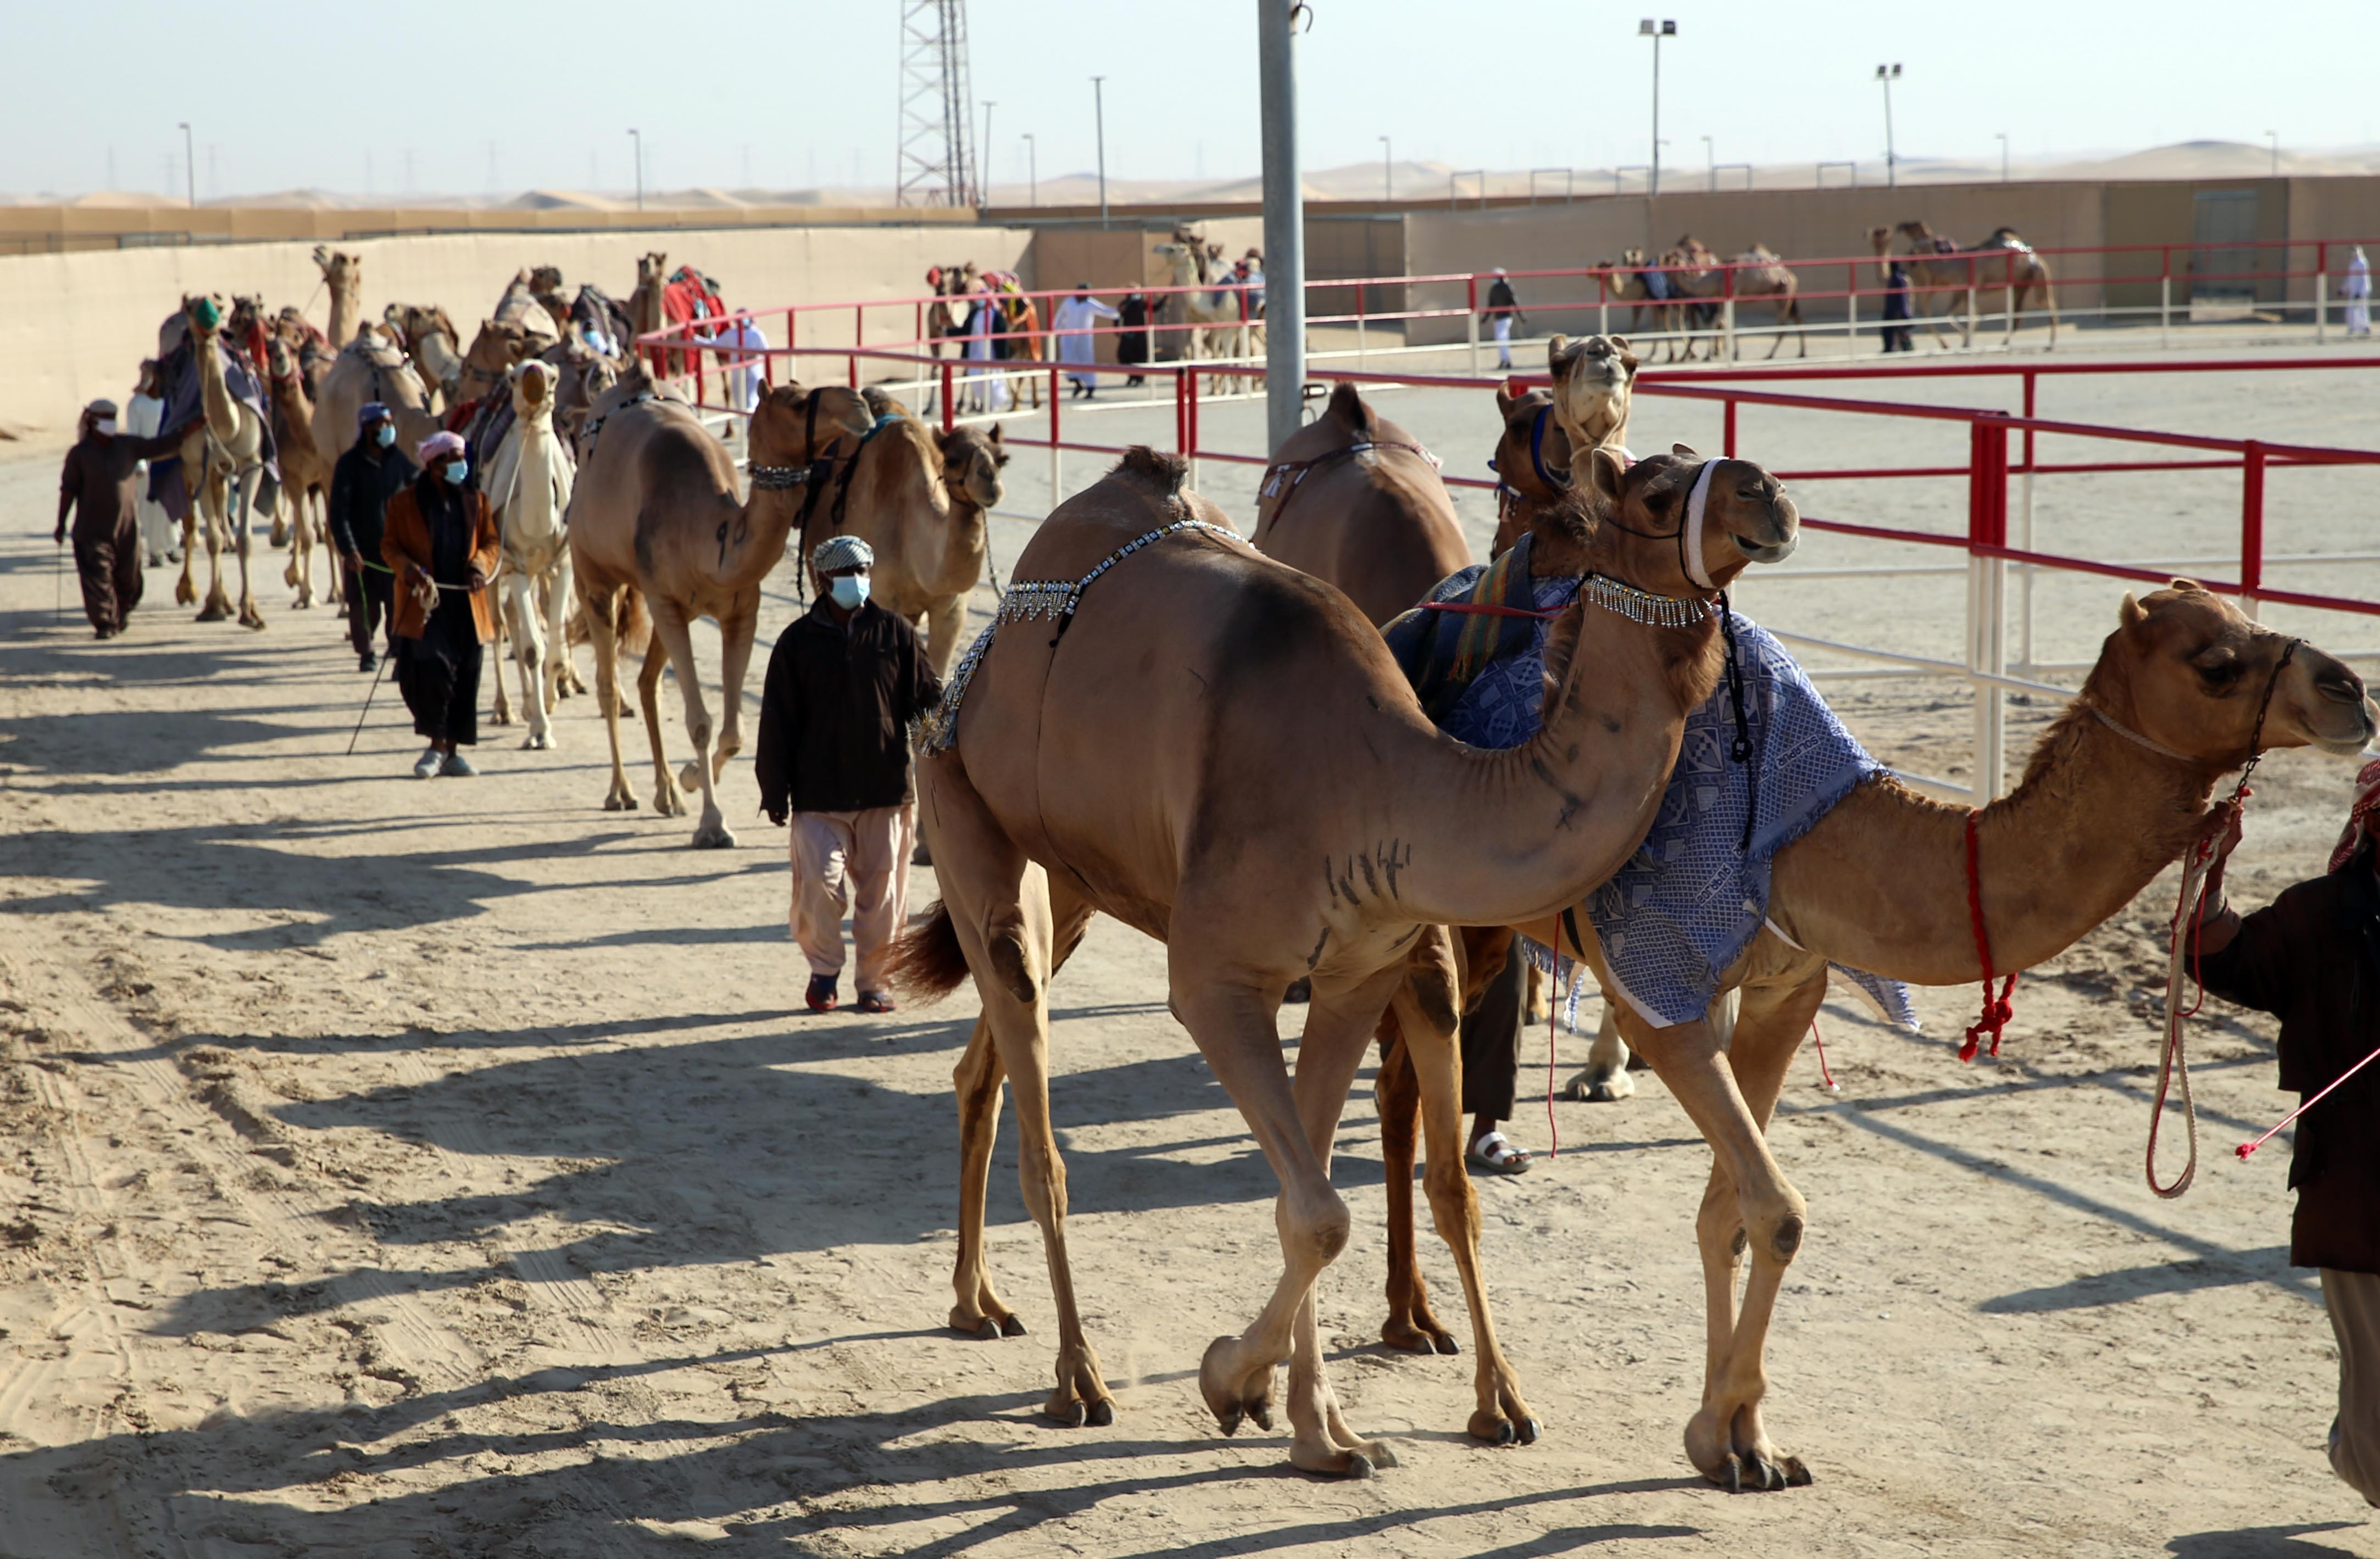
1491	1041
109	566
369	593
439	674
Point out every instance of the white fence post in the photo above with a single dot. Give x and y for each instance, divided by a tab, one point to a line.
1728	326
1470	338
2321	307
2164	312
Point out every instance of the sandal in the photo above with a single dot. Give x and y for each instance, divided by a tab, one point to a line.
1494	1155
874	1001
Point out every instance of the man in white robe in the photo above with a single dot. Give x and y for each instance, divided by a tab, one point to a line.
2358	293
144	416
744	365
1074	322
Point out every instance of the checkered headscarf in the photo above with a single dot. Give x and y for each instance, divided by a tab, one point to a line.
841	551
2367	801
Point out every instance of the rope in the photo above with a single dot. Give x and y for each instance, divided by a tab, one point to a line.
1996	1010
1825	1076
2244	1149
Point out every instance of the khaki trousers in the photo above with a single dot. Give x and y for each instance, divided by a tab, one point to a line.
2353	1300
858	861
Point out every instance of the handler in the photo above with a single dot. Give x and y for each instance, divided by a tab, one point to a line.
1073	322
100	489
440	543
2312	957
845	680
372	472
1502	305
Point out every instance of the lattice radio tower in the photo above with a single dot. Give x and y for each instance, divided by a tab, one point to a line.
937	156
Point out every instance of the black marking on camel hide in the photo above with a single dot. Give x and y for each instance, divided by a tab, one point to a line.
1316	956
1571	802
1392	860
1365	863
1331	878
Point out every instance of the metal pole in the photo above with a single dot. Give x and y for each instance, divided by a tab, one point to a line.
190	167
983	184
1387	180
1710	155
1099	117
639	137
1033	169
2002	138
1284	223
1653	178
1891	161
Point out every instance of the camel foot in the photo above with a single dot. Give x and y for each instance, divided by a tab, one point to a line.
982	1326
251	618
539	741
1601	1085
1418	1334
1069	1411
1492	1428
713	835
281	533
185	593
1231	1400
1353	1465
621	799
289	574
215	611
501	715
1759	1475
1737	1466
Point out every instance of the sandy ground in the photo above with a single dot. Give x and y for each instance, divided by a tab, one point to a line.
403	1170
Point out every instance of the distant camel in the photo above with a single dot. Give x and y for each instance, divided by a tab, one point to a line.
1758	272
2003	263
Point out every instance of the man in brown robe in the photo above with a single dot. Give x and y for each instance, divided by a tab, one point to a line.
100	489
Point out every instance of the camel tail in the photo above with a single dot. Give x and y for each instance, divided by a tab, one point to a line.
927	962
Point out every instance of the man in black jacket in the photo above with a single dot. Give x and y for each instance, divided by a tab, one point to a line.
844	683
2312	957
372	472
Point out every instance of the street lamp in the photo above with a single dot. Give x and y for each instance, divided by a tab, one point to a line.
1099	117
983	168
639	137
1886	75
1388	181
1649	28
2276	139
1032	169
190	165
2001	136
1710	155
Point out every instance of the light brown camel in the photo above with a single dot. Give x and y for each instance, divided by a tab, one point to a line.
370	368
305	474
1627	285
921	502
545	285
1218	314
1595	385
645	313
226	454
342	275
1197	731
1353	499
1758	272
2117	789
1958	278
496	349
429	340
654	515
311	347
1531	462
528	479
518	305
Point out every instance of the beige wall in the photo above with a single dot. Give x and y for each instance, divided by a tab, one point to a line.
76	326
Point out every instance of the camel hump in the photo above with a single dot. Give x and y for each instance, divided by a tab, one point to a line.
1164	472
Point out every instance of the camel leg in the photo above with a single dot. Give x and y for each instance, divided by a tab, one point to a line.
1606	1079
980	1312
1000	910
305	534
1426	1005
558	588
737	627
243	537
667	802
337	594
185	589
218	604
1411	1324
602	626
671	630
516	615
502	712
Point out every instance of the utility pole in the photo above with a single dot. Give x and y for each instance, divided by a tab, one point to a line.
1649	28
1284	222
934	163
1387	179
189	164
1099	119
983	187
2276	139
2001	136
639	137
1710	155
1886	76
1032	170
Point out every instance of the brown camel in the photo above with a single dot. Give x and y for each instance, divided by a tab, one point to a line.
645	313
369	368
545	285
654	517
1758	272
307	342
1670	314
305	474
222	462
429	340
342	275
1595	385
1353	499
496	349
1202	720
1940	269
946	282
921	502
1532	463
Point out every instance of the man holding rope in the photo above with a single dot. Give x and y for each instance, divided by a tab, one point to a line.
372	471
440	545
2312	957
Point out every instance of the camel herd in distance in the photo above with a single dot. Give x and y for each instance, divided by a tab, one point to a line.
1201	732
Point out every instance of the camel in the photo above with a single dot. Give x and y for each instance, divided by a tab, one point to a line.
428	338
645	313
527	480
654	518
1671	315
1940	268
1758	272
1219	315
1020	324
1353	499
946	282
519	306
1595	385
497	348
223	463
545	285
305	474
1200	721
367	370
921	501
1531	462
344	275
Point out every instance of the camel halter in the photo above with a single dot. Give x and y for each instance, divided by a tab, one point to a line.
1285	477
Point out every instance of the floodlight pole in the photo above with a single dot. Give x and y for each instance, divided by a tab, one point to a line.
983	182
2274	138
1387	180
1284	222
1649	28
2001	136
1099	119
1032	169
190	165
639	137
1886	75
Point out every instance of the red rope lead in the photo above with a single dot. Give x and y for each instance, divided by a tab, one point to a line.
1824	1075
1996	1010
2244	1149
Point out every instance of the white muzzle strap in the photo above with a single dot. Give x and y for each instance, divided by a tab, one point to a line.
1697	502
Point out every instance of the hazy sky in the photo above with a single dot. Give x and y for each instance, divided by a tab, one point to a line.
793	92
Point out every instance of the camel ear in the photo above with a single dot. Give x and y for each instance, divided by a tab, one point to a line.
2130	611
1504	404
1627	358
1605	472
1559	351
1684	452
995	436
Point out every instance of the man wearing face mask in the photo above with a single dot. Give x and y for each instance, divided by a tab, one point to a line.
844	683
100	489
372	471
440	544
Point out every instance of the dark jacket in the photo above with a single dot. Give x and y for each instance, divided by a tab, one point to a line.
360	489
1500	298
100	485
835	718
2312	957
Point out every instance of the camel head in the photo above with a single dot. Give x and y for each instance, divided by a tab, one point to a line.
206	313
1880	239
2185	668
1915	232
1533	457
340	270
532	383
280	361
971	461
652	268
792	426
1645	525
545	279
1593	379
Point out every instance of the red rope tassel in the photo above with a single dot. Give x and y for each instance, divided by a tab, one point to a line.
1996	1009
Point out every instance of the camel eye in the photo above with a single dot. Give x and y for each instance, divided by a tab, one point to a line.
2220	669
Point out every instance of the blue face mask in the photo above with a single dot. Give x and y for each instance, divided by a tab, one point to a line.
456	470
849	590
384	435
